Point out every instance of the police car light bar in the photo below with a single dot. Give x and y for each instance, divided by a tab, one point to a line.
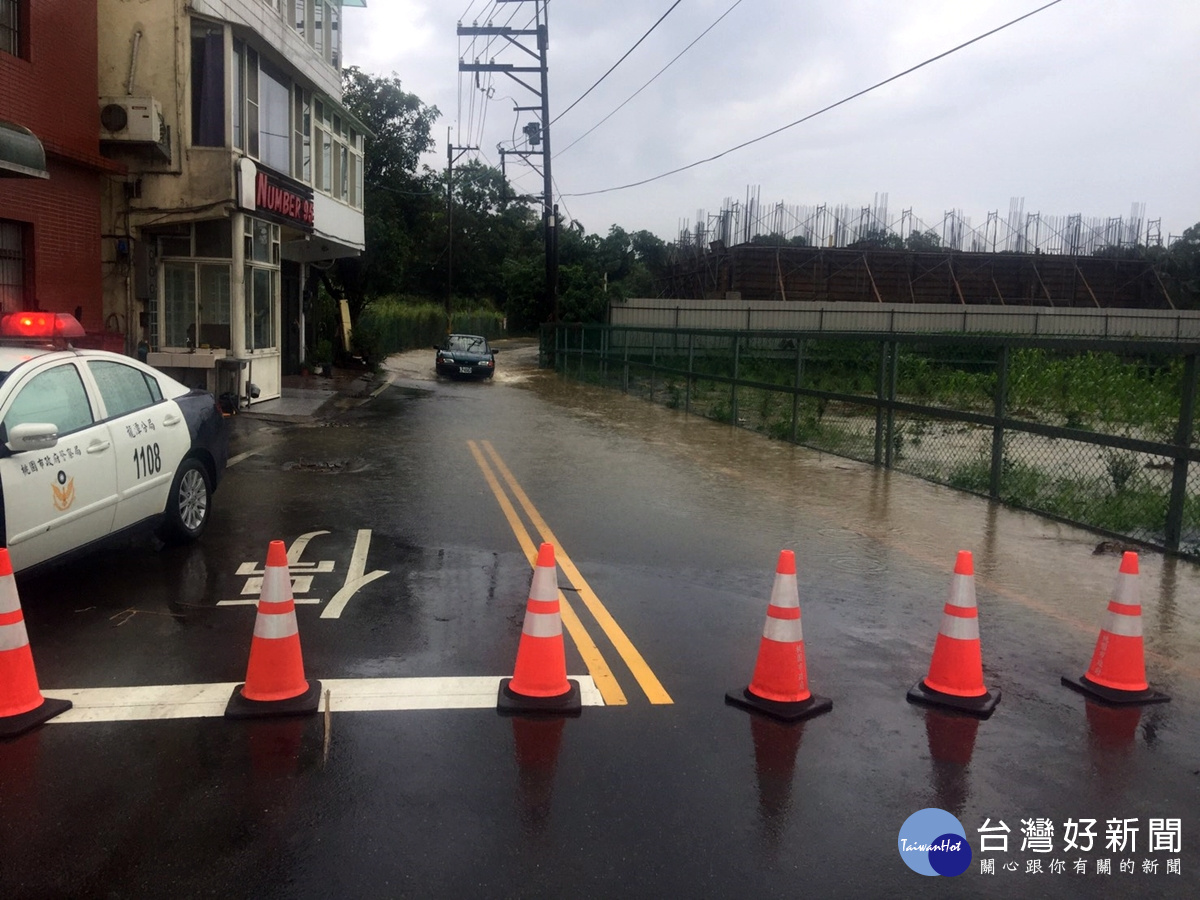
44	325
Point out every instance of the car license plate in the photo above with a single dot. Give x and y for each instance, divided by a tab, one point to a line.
465	370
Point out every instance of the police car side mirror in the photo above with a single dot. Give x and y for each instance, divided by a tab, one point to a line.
32	436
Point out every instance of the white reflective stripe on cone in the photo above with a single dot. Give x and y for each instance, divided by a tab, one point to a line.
783	630
1125	626
960	628
542	624
279	625
784	592
9	601
14	636
276	586
1125	590
962	591
545	584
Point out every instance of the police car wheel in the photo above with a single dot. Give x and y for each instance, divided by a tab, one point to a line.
188	504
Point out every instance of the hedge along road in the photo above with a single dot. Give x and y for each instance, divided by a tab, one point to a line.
674	524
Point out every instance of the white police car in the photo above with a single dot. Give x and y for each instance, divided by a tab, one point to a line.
94	444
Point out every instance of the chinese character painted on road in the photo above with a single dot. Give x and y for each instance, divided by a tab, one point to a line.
994	837
1121	834
1039	835
1033	867
1058	866
1076	836
1081	867
1128	867
1164	835
1150	866
987	867
1173	867
1104	867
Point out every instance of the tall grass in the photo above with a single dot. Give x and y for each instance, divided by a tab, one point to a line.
404	323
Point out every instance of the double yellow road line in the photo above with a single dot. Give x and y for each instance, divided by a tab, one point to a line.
606	682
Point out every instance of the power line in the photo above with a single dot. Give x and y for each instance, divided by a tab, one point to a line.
617	63
651	81
826	109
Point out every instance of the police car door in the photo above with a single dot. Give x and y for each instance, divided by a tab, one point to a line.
149	434
64	496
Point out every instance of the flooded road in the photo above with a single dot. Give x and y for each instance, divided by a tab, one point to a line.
668	529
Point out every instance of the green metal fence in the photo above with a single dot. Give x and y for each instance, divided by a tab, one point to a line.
1097	432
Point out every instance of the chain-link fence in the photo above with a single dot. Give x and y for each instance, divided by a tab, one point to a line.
1101	433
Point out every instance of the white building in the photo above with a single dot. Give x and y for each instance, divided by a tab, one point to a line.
245	173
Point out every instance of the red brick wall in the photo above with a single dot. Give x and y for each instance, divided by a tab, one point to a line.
52	90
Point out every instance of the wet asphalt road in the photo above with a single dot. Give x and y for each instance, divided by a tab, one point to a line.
675	524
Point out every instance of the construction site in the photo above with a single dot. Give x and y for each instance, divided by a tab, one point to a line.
838	254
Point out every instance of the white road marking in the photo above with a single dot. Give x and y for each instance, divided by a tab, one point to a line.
299	601
356	576
195	701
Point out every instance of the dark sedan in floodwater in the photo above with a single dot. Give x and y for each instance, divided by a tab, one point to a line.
466	356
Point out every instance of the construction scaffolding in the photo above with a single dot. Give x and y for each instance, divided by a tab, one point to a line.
750	221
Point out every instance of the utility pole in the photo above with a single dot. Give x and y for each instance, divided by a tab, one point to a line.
536	132
451	159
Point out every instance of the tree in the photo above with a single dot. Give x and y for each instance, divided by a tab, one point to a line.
922	241
878	239
1183	267
399	200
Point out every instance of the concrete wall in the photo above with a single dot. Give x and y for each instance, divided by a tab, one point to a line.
745	315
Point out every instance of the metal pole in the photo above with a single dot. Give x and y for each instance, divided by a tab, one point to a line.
1001	408
1183	438
796	387
687	391
733	406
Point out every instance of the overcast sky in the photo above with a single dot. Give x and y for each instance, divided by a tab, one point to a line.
1087	107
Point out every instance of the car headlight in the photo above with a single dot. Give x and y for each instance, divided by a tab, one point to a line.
487	362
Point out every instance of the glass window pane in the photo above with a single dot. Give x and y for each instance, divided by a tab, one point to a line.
179	304
123	388
260	308
238	94
214	306
55	396
214	239
274	118
208	86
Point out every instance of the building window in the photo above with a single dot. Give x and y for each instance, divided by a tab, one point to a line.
208	85
318	30
238	93
335	40
12	266
12	16
274	101
261	282
196	307
302	166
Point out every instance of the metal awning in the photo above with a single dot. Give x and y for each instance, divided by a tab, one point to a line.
21	153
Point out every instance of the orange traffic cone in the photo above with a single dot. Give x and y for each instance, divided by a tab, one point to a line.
22	705
779	687
955	678
275	683
539	683
1118	670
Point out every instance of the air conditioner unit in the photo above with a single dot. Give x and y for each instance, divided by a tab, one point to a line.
132	119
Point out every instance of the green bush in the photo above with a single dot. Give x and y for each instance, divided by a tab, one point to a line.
397	323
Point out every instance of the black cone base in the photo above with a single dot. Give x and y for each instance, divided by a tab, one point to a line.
509	703
785	712
982	706
303	705
1086	686
11	726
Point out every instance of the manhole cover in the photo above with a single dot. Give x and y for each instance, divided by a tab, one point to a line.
327	466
